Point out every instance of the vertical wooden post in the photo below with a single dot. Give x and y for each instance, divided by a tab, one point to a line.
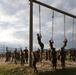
31	34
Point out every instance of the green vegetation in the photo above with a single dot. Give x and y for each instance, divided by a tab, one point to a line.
12	69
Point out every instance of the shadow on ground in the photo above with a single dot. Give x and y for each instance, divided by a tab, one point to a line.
66	71
21	70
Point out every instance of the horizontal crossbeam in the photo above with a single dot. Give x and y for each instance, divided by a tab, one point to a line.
55	9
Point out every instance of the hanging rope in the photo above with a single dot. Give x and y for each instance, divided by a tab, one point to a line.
39	20
73	34
64	26
52	23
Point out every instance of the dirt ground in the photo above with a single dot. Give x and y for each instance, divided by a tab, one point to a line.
46	65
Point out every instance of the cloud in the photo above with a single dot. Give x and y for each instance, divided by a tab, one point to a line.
14	22
46	20
15	5
21	34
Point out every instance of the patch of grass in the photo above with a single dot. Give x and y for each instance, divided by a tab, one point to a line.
11	69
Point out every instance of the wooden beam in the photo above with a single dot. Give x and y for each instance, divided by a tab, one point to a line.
53	8
31	34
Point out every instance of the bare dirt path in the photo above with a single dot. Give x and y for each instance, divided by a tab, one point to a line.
47	65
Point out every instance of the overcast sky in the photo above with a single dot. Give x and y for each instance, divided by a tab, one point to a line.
14	23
